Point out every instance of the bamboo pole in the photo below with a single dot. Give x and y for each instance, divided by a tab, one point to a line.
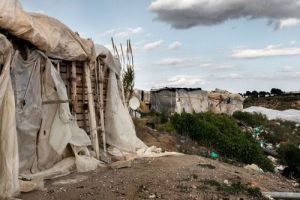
91	107
73	89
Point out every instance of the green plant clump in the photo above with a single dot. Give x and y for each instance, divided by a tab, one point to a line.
251	119
222	133
289	155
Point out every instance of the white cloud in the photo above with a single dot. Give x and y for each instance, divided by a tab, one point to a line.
129	32
121	33
182	81
286	23
269	51
175	45
216	66
153	45
193	62
179	62
110	32
171	61
188	13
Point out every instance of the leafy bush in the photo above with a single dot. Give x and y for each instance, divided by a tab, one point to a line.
276	131
163	117
223	134
167	127
250	119
289	155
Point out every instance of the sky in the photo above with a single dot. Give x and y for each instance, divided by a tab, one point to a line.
235	45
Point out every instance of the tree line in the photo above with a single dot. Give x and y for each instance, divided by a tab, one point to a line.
256	94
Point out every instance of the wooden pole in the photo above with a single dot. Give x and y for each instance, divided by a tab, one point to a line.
91	106
58	67
73	89
101	94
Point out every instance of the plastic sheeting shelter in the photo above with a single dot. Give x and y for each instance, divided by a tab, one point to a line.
56	97
191	100
47	34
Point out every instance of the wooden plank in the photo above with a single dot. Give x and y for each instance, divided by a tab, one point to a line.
73	89
92	114
101	106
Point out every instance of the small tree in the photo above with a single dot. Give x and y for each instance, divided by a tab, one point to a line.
128	82
262	94
276	91
248	93
255	94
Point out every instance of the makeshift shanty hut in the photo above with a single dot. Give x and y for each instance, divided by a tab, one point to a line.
58	94
196	100
221	101
179	100
143	96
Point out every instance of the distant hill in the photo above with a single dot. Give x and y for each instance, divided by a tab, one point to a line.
280	102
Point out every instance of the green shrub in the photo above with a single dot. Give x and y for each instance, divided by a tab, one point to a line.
251	119
223	134
289	154
167	127
163	118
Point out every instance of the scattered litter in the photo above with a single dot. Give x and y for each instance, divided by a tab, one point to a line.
31	185
77	179
253	167
279	168
214	155
121	164
226	182
274	160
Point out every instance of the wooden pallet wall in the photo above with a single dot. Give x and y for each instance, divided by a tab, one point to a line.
81	111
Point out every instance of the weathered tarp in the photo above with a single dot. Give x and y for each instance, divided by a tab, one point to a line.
221	101
191	101
25	76
179	100
46	33
44	126
195	100
9	158
110	61
120	130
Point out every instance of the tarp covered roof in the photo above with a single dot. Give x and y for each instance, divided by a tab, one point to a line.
46	33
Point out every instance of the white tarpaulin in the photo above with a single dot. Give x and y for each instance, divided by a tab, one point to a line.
286	115
46	33
9	159
40	124
191	101
120	130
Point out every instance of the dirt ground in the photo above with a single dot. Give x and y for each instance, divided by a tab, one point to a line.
176	177
171	178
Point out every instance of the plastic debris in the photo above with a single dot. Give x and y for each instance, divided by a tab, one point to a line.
214	155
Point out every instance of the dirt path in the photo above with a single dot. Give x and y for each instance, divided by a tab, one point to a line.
178	177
